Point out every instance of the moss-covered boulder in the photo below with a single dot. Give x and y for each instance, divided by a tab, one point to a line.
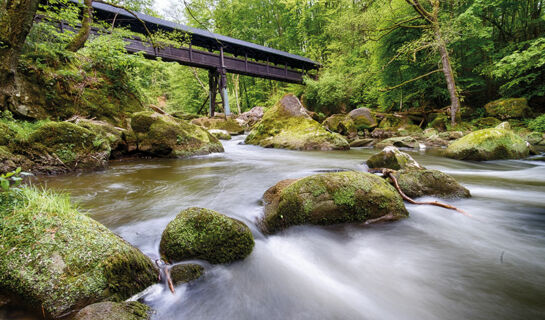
57	147
440	122
488	144
330	198
164	136
504	125
363	118
228	124
115	310
513	108
534	138
252	116
430	132
342	124
287	125
400	142
390	121
183	273
55	258
418	183
113	136
392	158
198	233
220	134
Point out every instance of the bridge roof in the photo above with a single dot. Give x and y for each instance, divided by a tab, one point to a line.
203	38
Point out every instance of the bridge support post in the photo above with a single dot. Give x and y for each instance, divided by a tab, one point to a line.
213	89
224	93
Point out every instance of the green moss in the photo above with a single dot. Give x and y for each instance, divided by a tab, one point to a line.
488	122
392	158
342	124
166	136
418	183
182	273
279	128
401	142
488	144
508	108
198	233
53	256
343	197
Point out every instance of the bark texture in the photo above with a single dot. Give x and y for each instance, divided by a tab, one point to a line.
83	34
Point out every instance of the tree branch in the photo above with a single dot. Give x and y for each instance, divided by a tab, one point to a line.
409	81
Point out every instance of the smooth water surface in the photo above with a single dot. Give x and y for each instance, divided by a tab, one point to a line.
437	264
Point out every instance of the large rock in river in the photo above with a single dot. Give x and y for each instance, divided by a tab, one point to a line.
330	198
363	118
198	233
392	158
287	125
488	144
419	183
165	136
55	258
342	124
228	124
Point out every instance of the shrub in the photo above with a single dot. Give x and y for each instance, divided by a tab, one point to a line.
538	124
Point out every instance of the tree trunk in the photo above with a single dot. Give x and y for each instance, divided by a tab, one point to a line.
16	19
83	34
449	77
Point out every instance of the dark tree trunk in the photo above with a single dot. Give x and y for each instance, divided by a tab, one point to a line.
79	40
16	19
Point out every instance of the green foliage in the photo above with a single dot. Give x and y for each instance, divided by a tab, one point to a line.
11	180
538	124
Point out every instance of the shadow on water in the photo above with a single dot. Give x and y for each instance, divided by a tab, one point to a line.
435	265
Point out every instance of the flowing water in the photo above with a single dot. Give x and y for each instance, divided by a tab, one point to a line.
437	264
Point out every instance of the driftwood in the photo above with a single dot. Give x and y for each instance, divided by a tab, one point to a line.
388	173
165	267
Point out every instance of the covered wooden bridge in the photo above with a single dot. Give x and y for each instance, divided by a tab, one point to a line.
219	54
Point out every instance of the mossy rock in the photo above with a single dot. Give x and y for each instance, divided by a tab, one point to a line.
111	135
440	122
363	118
164	136
57	147
220	134
331	198
228	124
390	121
504	125
451	135
488	144
392	158
430	132
55	258
183	273
512	108
184	116
198	233
115	310
6	134
534	138
288	126
487	122
341	124
362	143
419	183
400	142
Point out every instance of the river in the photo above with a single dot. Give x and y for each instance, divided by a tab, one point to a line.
437	264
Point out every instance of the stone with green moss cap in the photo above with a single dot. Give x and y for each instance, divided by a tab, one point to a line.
418	183
182	273
165	136
488	144
54	257
198	233
287	125
115	311
220	134
342	124
392	158
363	118
512	108
330	198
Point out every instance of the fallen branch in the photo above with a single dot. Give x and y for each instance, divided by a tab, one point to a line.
388	173
166	270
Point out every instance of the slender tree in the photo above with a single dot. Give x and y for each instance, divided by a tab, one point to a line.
16	18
